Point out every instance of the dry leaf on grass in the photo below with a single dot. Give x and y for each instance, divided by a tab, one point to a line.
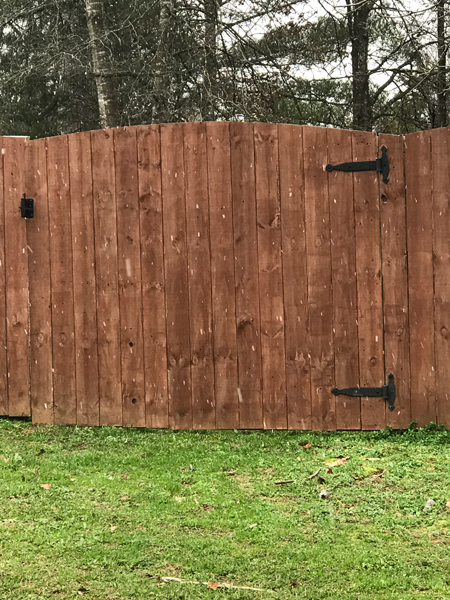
124	497
337	463
5	460
213	585
114	527
46	486
369	458
447	506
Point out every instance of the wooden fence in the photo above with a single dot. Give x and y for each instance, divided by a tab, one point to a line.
216	276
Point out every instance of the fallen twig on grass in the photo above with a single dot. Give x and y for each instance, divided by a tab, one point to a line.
285	481
227	586
314	474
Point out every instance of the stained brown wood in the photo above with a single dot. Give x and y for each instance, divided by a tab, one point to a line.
295	283
84	283
65	402
38	241
320	332
177	291
106	271
130	292
343	262
368	272
3	356
418	176
153	280
440	149
222	276
270	276
199	276
246	275
395	281
16	279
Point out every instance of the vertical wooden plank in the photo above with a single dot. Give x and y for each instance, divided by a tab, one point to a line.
246	274
368	269
418	174
84	285
106	268
440	149
320	298
153	283
270	276
130	279
38	240
395	281
16	279
343	263
295	281
3	355
177	292
222	276
199	276
65	403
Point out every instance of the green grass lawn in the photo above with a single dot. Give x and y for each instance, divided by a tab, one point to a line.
128	508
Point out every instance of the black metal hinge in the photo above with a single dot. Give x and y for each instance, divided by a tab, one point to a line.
387	392
27	207
380	164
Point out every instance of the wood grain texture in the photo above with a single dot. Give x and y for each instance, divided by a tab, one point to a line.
368	269
130	278
395	282
38	241
295	278
3	354
222	276
177	290
246	275
84	282
153	279
106	270
440	149
343	262
199	276
17	327
418	174
320	300
65	402
270	276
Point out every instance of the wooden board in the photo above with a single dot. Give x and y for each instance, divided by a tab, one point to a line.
199	276
368	272
177	291
270	276
65	402
3	355
222	276
106	269
84	283
343	263
17	327
246	275
153	280
38	241
395	282
295	283
320	300
130	291
418	176
440	150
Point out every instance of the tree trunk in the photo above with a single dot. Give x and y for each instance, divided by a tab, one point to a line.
441	108
211	9
358	28
161	87
104	75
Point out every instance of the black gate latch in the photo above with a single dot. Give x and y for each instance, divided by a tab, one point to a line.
27	207
386	391
381	165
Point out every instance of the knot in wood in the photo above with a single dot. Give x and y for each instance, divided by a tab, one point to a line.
373	361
